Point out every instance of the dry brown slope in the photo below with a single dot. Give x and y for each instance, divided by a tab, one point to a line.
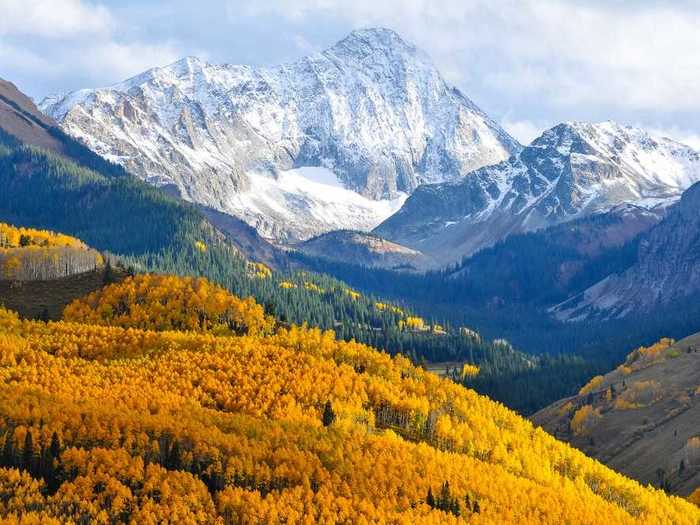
364	249
20	118
650	441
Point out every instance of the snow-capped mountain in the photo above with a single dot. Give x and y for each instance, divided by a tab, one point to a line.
571	171
373	110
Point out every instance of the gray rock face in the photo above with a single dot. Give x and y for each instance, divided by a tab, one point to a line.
373	109
571	171
667	269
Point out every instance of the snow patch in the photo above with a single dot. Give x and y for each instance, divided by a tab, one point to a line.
301	203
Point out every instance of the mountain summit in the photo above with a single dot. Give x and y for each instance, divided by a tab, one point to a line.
372	111
572	170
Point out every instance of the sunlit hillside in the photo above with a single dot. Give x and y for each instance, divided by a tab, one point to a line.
108	424
27	254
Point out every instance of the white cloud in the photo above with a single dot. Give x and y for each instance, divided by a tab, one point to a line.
637	55
75	39
525	62
126	60
53	18
685	136
524	131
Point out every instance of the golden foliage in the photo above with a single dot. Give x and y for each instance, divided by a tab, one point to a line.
167	302
566	409
438	329
16	237
584	419
645	355
190	427
469	370
389	308
28	254
352	293
259	270
313	287
591	386
638	394
413	323
695	497
624	370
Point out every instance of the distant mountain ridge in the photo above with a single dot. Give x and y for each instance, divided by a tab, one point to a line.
572	170
364	249
372	109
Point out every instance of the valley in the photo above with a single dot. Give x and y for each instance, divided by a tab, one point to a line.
332	289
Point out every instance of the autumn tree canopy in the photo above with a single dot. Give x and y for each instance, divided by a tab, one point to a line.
168	302
112	424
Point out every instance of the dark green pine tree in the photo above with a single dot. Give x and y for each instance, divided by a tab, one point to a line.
28	453
55	446
174	460
445	498
108	275
328	414
8	449
430	499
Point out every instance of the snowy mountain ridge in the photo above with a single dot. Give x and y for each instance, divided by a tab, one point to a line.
372	109
572	170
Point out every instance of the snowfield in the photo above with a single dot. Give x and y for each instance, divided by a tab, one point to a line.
309	199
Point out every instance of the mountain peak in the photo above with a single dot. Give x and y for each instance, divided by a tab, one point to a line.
600	137
378	36
375	40
372	109
572	170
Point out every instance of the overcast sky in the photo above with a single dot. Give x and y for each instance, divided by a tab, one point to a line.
528	63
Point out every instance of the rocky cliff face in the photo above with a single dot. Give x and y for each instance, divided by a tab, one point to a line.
372	109
571	171
667	269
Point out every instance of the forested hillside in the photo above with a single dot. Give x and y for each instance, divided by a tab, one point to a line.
110	424
156	232
31	255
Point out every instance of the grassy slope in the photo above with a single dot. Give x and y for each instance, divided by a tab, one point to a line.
640	441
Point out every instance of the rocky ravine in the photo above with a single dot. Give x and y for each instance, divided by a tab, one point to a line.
667	271
373	110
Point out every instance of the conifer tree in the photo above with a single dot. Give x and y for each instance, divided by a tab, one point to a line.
430	499
328	414
28	454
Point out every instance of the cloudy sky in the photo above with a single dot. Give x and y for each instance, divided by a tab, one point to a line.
528	63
